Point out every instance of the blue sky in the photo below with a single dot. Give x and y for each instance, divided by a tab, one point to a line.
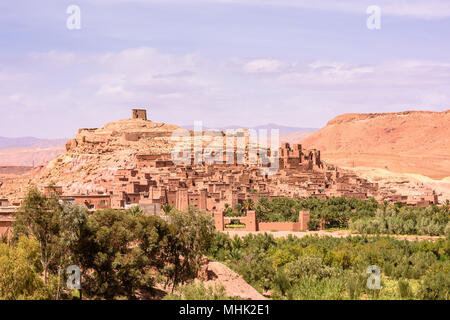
224	62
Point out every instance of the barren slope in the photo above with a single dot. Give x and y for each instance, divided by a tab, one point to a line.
234	285
29	156
415	142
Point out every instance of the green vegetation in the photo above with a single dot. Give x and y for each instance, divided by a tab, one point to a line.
20	271
122	253
433	221
335	268
119	252
335	212
199	292
363	216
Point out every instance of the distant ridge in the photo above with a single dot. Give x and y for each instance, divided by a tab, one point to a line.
29	151
30	142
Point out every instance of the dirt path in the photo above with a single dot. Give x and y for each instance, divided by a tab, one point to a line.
219	273
323	233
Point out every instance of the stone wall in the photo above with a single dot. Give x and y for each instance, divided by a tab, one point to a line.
279	226
251	223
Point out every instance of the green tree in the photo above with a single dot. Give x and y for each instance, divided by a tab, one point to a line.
167	208
112	262
135	210
248	205
228	210
20	271
39	216
73	218
191	240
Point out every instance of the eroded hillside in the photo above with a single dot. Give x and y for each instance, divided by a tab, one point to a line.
416	142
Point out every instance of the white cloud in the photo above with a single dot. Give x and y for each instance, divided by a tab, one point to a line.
263	66
183	88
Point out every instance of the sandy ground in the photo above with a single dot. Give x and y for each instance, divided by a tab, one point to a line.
436	167
219	273
322	233
407	180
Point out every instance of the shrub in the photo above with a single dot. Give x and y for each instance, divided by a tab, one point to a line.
404	289
319	289
313	224
308	266
435	286
199	292
356	285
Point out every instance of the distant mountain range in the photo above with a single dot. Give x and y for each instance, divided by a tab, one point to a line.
30	142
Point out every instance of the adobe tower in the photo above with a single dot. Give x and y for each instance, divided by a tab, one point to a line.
139	114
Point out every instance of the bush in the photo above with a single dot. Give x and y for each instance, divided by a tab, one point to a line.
319	289
356	285
199	292
404	289
435	286
308	266
313	224
257	270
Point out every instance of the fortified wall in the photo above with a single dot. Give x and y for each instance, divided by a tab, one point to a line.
251	223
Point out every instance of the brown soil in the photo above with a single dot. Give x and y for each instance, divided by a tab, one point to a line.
14	170
29	156
415	142
217	274
235	286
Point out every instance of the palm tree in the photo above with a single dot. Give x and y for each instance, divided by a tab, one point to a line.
447	205
135	210
238	209
248	205
167	208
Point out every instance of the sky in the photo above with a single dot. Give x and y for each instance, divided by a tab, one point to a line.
224	62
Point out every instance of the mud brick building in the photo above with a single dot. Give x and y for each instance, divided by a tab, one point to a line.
139	114
6	218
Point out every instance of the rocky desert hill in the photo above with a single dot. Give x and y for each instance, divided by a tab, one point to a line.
92	159
414	142
94	155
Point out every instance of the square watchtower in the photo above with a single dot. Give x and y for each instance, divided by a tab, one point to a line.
139	114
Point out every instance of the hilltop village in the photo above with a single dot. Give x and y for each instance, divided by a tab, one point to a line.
129	163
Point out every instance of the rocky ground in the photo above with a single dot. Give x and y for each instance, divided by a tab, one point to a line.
218	273
404	183
416	142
